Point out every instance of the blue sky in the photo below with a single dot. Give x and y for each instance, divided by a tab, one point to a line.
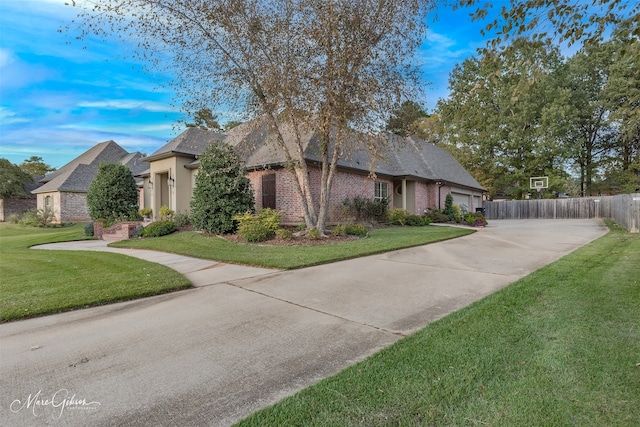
57	99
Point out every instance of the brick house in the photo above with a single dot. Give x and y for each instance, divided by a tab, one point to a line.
64	191
412	173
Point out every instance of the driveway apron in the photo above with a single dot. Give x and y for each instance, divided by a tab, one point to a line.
245	338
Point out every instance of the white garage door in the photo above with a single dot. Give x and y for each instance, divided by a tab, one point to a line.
461	200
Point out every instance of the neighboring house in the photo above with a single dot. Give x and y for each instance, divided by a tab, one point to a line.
64	191
412	173
18	206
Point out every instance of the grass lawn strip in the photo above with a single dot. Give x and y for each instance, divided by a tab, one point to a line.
290	257
35	283
558	347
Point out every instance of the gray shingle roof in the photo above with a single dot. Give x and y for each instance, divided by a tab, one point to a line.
191	142
76	176
400	157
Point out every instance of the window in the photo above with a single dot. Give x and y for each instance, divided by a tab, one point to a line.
380	191
269	191
47	203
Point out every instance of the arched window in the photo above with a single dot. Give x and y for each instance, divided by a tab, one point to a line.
47	203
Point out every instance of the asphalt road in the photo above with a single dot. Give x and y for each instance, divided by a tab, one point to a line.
244	339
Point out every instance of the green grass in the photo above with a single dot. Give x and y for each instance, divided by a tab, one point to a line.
289	257
560	347
39	282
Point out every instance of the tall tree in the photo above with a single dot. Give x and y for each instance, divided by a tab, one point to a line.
12	180
321	66
496	119
591	135
35	166
622	97
205	119
403	120
558	21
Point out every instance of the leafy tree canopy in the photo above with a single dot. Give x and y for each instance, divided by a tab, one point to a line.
221	190
113	195
328	67
403	120
12	180
205	119
35	166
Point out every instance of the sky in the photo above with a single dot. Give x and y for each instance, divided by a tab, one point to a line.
58	98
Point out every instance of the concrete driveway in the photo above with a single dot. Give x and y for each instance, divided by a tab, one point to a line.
214	354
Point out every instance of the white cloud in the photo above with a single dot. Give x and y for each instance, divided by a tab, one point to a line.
6	57
127	104
9	117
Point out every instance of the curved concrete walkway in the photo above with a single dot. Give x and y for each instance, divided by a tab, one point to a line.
200	272
212	355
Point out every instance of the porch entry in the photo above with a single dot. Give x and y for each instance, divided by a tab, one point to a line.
404	195
161	192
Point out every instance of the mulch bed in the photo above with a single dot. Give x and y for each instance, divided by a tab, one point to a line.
293	241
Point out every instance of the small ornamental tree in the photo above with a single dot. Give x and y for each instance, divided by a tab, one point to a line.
221	192
113	194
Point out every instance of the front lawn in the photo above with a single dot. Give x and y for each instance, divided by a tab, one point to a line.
39	282
289	257
560	347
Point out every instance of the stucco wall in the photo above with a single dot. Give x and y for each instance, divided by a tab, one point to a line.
55	204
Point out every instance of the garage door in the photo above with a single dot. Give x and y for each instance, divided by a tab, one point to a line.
461	200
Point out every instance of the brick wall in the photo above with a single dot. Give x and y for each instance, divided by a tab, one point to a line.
115	233
345	185
10	207
73	207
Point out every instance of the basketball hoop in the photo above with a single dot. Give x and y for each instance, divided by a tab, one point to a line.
539	182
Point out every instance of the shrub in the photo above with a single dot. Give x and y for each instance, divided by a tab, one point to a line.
221	191
426	220
255	232
13	219
450	210
36	218
146	212
139	231
436	215
166	214
259	227
181	220
29	219
283	234
365	209
339	230
476	219
397	216
414	221
88	229
314	234
159	228
113	194
356	230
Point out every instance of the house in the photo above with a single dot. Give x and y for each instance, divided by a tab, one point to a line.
64	191
413	174
20	205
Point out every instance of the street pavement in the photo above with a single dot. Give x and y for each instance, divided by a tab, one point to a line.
243	338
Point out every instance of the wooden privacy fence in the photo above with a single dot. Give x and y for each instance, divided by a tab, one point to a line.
623	209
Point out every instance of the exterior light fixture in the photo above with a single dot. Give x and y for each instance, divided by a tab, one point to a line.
171	181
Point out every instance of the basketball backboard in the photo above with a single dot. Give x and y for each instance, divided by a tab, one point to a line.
539	182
